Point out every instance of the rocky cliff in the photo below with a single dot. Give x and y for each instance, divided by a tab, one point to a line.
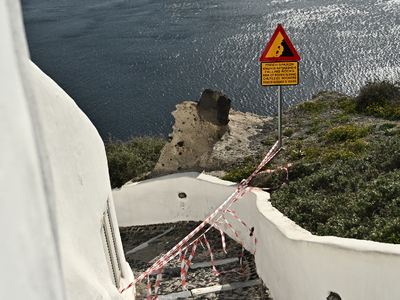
209	136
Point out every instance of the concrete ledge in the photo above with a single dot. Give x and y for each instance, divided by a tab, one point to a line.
226	287
180	295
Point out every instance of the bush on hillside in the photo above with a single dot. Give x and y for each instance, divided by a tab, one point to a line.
128	160
350	132
380	99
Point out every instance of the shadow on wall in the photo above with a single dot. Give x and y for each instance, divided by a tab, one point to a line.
333	296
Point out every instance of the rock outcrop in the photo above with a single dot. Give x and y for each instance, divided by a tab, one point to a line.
214	107
208	136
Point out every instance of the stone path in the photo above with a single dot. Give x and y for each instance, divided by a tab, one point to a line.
144	245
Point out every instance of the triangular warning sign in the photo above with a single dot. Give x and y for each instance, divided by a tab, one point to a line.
280	48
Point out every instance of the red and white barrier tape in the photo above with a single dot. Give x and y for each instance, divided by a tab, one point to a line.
180	247
186	265
274	170
158	281
217	273
149	292
211	255
232	229
222	237
251	230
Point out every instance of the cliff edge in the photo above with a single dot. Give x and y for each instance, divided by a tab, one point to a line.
209	136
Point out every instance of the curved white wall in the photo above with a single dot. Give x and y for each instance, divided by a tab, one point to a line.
293	263
157	200
54	184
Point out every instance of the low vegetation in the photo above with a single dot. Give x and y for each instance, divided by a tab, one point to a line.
358	197
132	159
346	177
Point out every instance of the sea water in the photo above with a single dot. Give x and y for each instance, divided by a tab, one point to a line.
127	63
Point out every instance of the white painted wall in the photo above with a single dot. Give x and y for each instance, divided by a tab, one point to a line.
29	260
81	186
157	200
293	263
54	184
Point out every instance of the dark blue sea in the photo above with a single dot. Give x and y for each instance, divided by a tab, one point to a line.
127	63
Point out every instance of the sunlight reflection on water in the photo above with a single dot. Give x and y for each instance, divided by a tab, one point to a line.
128	63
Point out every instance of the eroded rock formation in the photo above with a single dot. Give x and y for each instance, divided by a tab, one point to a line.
207	135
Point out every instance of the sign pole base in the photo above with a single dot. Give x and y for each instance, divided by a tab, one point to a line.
280	115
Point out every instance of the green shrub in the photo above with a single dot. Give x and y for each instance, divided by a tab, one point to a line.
380	99
358	146
288	131
269	141
239	173
314	125
248	166
304	168
386	129
312	130
350	132
338	151
244	170
128	160
346	181
387	126
346	104
337	154
385	111
378	93
312	152
313	107
269	180
342	117
391	132
295	150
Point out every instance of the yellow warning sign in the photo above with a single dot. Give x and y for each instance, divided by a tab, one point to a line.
280	73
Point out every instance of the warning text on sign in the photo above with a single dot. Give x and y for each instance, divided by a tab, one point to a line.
280	73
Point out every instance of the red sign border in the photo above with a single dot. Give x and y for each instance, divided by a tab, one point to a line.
295	57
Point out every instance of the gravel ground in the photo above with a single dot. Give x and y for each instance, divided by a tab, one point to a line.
197	278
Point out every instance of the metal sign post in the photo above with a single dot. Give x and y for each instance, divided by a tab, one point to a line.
280	115
279	66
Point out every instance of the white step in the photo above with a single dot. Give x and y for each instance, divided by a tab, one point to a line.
226	287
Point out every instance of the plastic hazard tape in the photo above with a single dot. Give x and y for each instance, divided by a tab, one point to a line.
219	213
211	255
158	281
186	265
270	155
274	170
150	294
222	237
